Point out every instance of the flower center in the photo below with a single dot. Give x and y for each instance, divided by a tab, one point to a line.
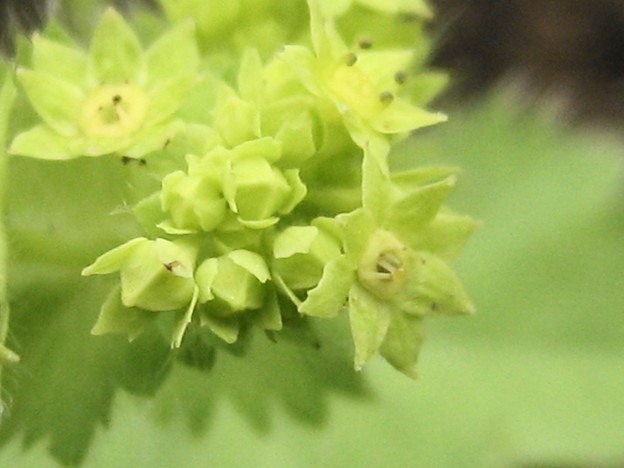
355	90
383	267
113	111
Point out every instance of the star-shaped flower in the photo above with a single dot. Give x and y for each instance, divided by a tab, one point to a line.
360	89
394	269
113	99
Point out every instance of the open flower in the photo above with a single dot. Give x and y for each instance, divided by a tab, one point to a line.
362	89
113	99
394	269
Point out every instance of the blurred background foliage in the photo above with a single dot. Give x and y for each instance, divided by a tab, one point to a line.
533	380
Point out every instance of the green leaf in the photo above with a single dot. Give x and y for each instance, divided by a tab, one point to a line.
58	102
402	343
115	55
330	296
173	55
370	319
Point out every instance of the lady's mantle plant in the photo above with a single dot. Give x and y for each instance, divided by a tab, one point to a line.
260	176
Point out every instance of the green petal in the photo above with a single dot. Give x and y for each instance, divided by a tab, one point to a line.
167	97
303	64
401	117
115	55
411	212
58	102
66	63
236	285
381	66
370	319
183	318
152	139
332	8
403	343
113	259
237	121
250	83
445	236
329	297
43	143
432	288
266	148
252	262
116	318
293	240
297	193
226	328
268	317
173	55
357	227
376	187
204	277
408	180
418	7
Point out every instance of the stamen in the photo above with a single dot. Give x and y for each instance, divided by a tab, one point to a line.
365	44
350	59
400	77
386	97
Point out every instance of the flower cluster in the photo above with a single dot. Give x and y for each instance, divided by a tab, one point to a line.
274	197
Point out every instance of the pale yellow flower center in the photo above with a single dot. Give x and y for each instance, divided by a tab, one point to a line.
114	111
355	90
383	267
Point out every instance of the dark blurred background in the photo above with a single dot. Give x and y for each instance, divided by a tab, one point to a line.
568	52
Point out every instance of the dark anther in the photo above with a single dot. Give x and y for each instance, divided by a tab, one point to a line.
365	44
171	265
409	17
386	97
127	160
350	59
400	77
116	99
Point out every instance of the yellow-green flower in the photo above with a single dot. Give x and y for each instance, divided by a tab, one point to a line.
394	269
115	98
361	88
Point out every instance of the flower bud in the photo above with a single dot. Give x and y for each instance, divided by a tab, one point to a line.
301	253
156	275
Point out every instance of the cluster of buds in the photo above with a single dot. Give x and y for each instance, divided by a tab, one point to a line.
273	196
